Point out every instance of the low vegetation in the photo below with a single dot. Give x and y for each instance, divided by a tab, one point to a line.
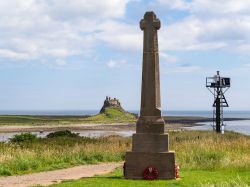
211	151
64	133
59	152
110	115
40	120
195	151
206	159
24	137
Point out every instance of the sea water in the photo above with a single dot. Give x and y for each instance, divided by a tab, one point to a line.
242	126
200	113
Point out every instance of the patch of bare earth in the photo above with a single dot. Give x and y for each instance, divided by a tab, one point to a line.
51	177
73	127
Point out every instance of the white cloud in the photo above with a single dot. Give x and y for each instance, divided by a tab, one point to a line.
111	64
168	58
195	34
61	62
175	4
64	9
115	64
247	65
187	69
120	35
5	53
59	29
209	7
220	7
222	24
55	28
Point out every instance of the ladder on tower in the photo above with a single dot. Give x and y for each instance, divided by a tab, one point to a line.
218	85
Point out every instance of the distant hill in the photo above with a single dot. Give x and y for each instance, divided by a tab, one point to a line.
112	112
111	103
112	115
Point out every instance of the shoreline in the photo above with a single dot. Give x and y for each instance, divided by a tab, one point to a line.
172	123
195	119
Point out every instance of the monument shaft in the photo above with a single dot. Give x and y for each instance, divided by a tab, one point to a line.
150	94
150	147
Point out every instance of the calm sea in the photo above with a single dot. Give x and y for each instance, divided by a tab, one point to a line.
229	114
242	126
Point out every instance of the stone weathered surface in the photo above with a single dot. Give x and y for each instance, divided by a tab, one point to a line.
136	162
150	94
150	145
150	114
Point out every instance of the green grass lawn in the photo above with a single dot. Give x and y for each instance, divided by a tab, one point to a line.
192	178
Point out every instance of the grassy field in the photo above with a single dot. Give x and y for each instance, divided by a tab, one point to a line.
111	115
189	178
61	152
40	120
195	151
206	159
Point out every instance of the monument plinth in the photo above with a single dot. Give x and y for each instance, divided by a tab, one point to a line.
150	146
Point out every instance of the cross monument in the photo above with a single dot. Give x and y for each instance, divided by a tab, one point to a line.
150	153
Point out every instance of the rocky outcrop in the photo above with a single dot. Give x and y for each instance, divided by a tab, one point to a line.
109	102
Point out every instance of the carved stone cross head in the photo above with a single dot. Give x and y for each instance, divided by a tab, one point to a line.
150	22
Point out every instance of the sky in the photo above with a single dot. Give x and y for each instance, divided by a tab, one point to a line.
70	55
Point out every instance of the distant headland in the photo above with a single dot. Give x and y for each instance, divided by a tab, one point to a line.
114	103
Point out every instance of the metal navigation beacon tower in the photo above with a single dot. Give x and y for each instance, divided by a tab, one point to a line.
218	85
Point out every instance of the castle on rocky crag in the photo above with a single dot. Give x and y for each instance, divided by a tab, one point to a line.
109	102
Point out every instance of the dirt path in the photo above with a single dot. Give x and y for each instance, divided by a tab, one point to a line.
51	177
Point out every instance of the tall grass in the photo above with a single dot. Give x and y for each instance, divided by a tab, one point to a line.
209	150
194	150
53	153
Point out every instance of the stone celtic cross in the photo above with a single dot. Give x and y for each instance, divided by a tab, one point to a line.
150	146
150	94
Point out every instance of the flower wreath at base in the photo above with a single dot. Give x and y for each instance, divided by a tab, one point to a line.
150	173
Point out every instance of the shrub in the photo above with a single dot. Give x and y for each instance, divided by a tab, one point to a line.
24	137
65	133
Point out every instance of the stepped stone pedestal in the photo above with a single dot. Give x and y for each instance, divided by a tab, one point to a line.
150	144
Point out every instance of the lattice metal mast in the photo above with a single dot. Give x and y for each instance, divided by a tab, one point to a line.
218	85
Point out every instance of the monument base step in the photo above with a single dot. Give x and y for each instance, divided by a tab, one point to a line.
137	162
150	124
149	143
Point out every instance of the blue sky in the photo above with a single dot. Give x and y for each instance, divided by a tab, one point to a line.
68	55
